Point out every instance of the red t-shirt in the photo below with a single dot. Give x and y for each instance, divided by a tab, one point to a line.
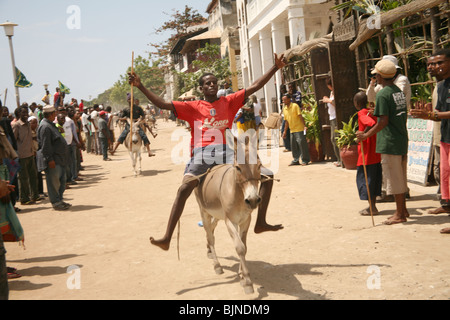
371	157
209	121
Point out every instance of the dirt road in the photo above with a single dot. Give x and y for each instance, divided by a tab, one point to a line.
100	248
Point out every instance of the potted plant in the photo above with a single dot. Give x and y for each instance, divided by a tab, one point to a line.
346	142
310	114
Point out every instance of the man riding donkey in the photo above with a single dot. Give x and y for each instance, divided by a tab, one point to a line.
138	113
201	115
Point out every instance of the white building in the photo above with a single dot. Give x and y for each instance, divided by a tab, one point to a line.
273	26
222	18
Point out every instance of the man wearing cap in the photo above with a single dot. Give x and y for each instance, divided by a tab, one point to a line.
400	81
51	158
392	136
403	83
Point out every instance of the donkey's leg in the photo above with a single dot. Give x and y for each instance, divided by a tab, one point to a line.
209	227
243	231
213	228
133	162
241	250
139	156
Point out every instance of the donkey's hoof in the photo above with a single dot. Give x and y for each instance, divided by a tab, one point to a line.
248	289
218	270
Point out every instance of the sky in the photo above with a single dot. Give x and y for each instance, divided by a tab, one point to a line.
85	44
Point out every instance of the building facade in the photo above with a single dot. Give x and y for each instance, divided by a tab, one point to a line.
273	26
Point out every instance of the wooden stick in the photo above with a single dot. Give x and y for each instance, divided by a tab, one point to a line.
132	103
367	182
6	94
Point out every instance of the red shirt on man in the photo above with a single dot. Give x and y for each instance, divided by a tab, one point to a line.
209	121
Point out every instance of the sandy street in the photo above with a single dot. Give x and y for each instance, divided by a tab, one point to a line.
100	249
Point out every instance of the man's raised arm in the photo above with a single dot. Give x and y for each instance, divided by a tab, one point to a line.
134	79
280	62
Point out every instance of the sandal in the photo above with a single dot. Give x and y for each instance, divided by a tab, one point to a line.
13	275
366	212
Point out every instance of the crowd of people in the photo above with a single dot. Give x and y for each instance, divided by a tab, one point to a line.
49	140
45	143
383	136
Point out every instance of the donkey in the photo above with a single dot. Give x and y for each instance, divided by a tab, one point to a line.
230	192
135	148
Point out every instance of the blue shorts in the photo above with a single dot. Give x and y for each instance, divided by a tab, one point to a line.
208	157
375	178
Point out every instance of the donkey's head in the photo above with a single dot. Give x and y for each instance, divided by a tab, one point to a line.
248	173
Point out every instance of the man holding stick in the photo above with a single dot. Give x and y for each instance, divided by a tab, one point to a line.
210	117
392	136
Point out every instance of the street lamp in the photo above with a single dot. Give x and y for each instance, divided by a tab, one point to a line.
9	32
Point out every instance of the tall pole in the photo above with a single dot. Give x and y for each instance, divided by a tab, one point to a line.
132	103
14	70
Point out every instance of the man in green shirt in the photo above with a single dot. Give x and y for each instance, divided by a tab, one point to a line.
392	137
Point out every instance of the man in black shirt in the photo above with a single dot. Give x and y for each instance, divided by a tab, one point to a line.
138	113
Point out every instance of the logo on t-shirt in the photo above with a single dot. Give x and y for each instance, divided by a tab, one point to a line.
213	124
400	101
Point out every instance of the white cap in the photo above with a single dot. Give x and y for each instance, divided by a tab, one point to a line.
48	108
393	59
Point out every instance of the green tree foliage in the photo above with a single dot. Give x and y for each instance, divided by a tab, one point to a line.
151	77
208	60
179	24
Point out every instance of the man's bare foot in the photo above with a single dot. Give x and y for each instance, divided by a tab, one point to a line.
163	244
151	154
439	210
395	220
445	231
267	227
407	215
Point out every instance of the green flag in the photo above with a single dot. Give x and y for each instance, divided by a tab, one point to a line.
21	80
63	88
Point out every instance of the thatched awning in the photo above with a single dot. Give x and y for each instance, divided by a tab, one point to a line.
390	17
307	46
